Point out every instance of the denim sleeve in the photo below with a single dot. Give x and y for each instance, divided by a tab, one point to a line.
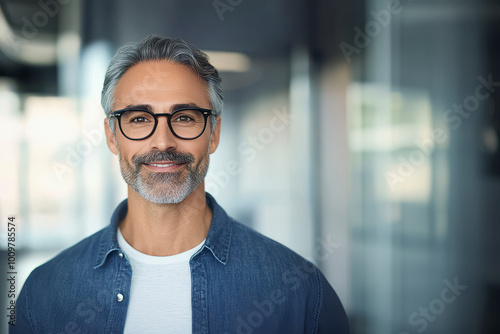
23	317
332	316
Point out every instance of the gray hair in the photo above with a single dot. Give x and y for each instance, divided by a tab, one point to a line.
162	48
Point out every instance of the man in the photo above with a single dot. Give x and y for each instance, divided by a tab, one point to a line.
171	260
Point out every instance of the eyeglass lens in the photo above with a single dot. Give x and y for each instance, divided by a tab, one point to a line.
184	123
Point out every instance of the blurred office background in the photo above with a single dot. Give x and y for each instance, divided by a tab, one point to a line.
364	135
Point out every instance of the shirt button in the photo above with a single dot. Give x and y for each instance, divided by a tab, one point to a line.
120	255
119	297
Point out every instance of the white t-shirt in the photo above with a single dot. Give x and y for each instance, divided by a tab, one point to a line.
160	296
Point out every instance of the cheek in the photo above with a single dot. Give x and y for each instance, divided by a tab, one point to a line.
129	148
204	148
198	151
198	147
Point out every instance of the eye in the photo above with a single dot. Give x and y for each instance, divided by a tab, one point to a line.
183	119
138	120
133	117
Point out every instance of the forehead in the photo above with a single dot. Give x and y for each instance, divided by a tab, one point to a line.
160	84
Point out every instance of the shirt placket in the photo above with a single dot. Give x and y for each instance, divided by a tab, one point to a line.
120	293
199	294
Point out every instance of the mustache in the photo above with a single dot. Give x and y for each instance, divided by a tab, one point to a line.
156	156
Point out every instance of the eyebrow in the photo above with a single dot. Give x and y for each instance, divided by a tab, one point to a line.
174	107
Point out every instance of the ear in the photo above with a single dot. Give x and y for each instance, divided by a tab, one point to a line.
110	138
214	142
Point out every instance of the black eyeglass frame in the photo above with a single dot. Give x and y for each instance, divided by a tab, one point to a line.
118	113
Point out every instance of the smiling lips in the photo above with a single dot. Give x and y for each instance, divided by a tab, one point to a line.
163	165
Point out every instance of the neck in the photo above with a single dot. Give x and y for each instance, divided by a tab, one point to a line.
166	229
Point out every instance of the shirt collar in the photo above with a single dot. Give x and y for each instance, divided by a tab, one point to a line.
218	238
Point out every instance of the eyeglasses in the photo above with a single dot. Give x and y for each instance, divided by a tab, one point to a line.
185	123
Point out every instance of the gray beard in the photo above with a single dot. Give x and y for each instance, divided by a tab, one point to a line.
165	187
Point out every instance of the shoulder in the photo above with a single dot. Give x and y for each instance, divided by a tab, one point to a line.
59	288
263	254
298	280
70	261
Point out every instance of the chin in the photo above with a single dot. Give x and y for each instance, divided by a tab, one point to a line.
165	197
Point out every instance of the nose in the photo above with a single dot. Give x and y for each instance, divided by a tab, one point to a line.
163	139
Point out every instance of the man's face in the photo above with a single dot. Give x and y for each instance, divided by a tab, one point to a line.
162	168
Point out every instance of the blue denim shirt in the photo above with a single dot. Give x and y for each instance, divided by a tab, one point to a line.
242	282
